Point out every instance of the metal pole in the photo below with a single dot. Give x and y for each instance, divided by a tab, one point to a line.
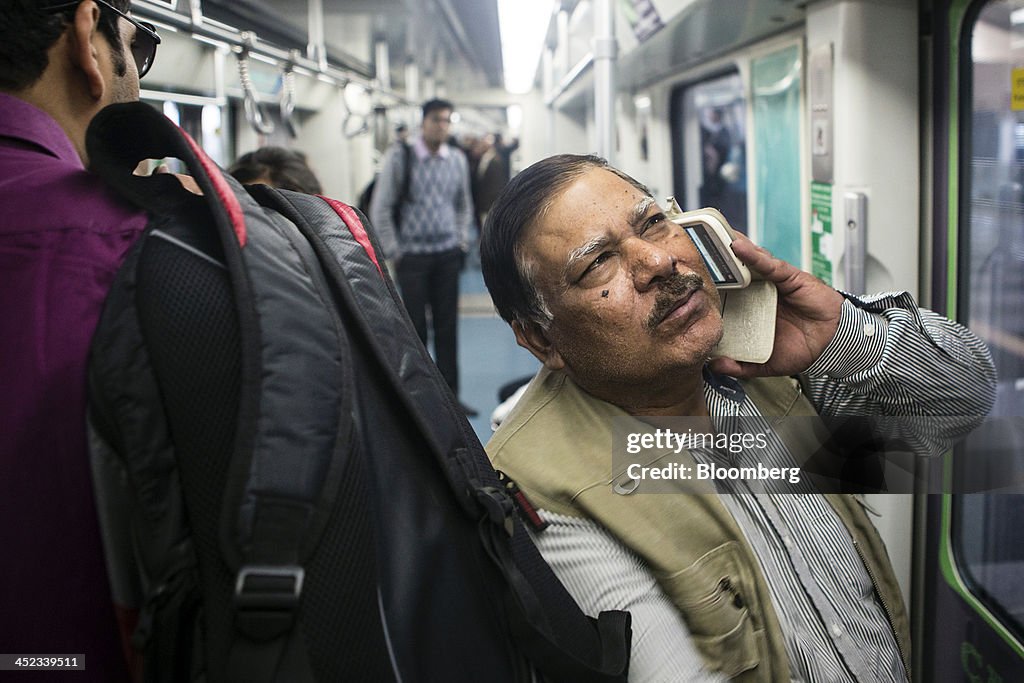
564	62
316	48
412	81
605	50
383	60
548	66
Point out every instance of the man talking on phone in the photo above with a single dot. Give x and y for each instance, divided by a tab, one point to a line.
752	584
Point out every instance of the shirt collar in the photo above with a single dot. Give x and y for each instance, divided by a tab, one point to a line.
422	152
23	121
723	385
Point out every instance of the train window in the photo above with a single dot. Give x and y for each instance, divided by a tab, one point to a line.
988	528
709	149
202	118
775	80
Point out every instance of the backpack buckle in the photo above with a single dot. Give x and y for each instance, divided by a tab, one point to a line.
266	598
498	505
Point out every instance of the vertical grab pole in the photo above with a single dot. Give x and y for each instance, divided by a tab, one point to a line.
316	48
605	52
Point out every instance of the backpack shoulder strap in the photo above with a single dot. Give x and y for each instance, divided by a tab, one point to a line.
407	161
548	624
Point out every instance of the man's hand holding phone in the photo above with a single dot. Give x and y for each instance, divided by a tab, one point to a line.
748	302
806	320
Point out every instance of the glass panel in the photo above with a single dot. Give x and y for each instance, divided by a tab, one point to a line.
776	92
989	527
710	147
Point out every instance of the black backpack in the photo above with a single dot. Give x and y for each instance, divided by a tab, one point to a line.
404	190
285	465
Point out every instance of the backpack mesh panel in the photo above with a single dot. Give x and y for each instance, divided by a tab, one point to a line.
191	329
342	624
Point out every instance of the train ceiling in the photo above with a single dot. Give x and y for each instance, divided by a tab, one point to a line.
457	42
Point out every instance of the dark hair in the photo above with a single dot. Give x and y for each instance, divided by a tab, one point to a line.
525	198
284	168
436	105
28	31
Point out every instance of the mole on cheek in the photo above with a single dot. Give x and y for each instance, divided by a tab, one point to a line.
604	294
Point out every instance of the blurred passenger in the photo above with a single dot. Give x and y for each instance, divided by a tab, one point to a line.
489	177
63	235
470	146
764	582
723	176
428	241
402	133
278	167
716	144
505	151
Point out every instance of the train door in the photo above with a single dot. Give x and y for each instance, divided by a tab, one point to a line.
736	144
970	620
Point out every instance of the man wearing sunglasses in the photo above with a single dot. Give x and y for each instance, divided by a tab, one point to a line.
63	235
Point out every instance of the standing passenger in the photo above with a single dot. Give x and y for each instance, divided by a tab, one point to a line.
285	169
489	177
426	230
62	237
755	584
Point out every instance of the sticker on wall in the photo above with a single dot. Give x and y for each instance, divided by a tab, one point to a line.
822	247
1017	90
643	17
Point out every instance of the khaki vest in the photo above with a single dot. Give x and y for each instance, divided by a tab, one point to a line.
557	446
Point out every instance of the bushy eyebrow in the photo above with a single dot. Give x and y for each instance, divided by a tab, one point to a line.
579	253
636	218
639	212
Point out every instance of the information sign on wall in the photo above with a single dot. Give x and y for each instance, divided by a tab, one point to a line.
821	231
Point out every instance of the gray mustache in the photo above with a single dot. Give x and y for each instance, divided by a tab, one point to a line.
670	290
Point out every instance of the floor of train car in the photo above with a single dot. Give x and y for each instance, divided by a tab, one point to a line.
488	354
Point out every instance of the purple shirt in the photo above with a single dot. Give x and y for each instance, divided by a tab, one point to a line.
63	235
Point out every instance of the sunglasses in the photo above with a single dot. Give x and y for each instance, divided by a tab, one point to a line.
143	45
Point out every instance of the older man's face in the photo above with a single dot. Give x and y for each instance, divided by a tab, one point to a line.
630	297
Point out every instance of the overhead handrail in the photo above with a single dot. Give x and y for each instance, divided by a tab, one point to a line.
231	37
253	113
355	122
354	125
287	103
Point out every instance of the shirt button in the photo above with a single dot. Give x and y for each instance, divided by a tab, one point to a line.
869	329
787	541
837	631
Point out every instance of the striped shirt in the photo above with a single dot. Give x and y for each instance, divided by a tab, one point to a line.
887	358
439	216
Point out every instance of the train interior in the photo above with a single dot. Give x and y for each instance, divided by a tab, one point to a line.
878	144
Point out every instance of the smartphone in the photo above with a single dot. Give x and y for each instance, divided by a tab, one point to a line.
748	303
712	235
